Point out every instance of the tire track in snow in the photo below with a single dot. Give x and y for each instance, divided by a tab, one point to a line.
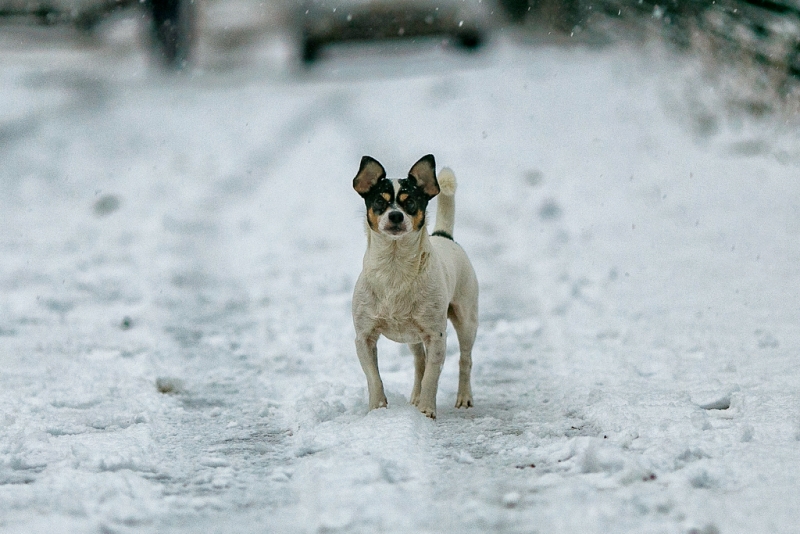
349	464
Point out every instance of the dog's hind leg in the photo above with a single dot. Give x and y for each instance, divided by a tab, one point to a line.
418	350
466	328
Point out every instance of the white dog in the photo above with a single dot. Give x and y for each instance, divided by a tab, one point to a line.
413	282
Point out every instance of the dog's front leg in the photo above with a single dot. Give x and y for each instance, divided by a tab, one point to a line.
367	350
418	350
435	349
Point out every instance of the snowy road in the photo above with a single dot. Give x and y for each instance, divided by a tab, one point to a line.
178	258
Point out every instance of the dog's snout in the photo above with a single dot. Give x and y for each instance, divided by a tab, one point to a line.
395	217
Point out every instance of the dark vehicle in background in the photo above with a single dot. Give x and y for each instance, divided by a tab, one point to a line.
766	31
323	22
171	21
561	15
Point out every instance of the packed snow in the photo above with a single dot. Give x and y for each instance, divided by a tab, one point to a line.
179	255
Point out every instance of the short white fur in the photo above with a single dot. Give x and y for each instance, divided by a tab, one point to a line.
410	285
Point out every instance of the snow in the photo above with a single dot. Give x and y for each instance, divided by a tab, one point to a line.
179	257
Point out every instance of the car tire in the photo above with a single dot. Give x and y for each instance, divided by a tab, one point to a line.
517	10
310	50
172	29
470	39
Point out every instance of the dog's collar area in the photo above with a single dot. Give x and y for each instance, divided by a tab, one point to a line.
442	233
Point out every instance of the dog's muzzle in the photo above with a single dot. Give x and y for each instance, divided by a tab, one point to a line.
395	224
396	217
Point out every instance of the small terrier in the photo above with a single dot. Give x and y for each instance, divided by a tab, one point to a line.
412	282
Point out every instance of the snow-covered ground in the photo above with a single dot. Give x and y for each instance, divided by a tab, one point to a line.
178	257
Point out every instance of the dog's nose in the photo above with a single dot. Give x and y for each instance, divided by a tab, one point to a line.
395	217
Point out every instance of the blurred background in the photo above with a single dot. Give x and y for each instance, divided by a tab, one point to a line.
180	241
202	34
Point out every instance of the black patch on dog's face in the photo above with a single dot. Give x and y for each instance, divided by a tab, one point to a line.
410	199
413	201
387	199
378	199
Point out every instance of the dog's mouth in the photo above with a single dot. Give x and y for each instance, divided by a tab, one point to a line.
395	229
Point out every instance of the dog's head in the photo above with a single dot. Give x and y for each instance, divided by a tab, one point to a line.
396	207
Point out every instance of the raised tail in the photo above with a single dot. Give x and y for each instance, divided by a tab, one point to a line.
446	212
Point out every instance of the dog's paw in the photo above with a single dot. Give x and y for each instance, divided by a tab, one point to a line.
464	401
414	398
377	403
429	411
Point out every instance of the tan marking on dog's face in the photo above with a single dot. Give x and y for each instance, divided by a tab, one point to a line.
413	201
394	222
373	219
396	207
418	220
378	200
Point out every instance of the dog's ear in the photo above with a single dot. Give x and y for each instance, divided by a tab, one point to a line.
424	172
369	173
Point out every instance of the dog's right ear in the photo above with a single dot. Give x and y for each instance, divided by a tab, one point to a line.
424	172
369	173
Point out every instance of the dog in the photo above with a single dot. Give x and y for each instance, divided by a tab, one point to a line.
413	282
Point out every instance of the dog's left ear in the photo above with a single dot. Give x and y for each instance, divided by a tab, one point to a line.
424	172
369	173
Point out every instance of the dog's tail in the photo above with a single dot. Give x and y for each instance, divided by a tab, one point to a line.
446	212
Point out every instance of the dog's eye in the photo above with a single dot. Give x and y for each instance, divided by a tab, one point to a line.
380	204
411	206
